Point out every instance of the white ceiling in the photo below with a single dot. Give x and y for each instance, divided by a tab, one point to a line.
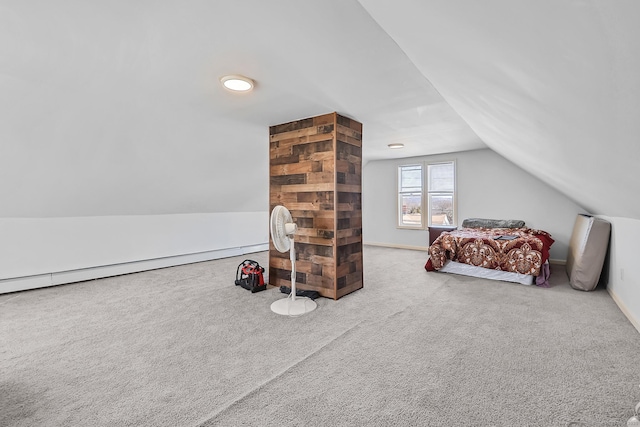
551	85
554	86
310	58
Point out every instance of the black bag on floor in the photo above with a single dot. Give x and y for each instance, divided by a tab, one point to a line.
300	292
249	276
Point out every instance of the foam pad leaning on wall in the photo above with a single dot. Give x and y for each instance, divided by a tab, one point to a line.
587	250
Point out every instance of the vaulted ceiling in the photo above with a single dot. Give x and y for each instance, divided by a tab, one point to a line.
551	85
554	86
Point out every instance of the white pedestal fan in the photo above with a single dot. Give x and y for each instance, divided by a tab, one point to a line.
282	231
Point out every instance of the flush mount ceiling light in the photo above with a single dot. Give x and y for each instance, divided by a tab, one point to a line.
237	83
396	145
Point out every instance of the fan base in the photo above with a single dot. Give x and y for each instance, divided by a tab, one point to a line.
290	307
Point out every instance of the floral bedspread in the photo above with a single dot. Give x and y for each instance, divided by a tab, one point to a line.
519	250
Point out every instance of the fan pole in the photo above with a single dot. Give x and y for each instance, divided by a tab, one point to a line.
282	227
292	257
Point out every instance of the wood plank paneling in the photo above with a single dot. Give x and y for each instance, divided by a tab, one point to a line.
315	172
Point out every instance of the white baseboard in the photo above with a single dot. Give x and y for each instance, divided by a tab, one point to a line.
62	277
558	261
390	245
635	322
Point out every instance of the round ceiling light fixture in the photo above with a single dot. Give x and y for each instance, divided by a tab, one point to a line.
396	145
237	83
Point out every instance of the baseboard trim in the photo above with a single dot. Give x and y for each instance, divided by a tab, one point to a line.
558	261
621	305
63	277
390	245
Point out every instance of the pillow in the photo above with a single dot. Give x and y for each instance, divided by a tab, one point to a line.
492	223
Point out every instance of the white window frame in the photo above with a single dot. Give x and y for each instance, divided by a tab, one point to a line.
429	193
399	206
425	194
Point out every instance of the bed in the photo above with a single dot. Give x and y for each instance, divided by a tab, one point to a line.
494	249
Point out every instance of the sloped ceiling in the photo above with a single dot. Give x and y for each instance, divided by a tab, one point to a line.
115	107
554	86
104	101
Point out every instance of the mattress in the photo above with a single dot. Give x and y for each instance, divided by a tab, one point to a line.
514	250
587	251
486	273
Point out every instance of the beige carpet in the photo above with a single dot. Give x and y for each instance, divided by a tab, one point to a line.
183	346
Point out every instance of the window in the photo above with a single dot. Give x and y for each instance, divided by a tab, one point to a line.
438	197
441	193
410	199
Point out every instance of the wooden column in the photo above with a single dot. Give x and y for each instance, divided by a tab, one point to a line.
316	173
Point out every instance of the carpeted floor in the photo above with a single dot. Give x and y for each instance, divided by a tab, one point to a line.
183	346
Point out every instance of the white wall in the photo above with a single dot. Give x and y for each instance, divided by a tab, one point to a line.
37	252
624	277
488	186
118	146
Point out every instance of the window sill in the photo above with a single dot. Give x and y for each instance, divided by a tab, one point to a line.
410	227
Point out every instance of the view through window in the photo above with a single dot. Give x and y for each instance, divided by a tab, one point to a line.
410	196
441	187
439	194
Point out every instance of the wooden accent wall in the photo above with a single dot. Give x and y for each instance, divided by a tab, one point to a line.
316	173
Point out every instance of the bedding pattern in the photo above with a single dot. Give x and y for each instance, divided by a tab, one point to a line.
517	250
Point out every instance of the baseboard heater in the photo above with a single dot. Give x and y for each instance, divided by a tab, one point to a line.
63	277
